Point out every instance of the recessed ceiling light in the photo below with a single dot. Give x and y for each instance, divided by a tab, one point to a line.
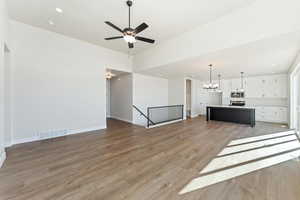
51	22
59	10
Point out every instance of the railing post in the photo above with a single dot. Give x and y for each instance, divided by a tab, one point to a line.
182	107
148	124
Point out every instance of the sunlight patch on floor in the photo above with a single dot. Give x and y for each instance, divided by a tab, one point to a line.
248	155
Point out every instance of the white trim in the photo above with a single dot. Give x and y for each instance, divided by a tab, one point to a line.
122	119
2	158
77	131
24	140
162	124
195	115
7	144
293	97
70	132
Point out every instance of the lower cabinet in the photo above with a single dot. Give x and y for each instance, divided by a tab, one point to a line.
271	114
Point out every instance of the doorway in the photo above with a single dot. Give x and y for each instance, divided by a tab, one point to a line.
295	99
119	97
7	97
188	99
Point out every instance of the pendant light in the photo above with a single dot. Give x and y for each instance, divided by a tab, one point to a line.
219	88
242	82
210	86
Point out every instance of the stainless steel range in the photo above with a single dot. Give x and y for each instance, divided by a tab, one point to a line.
237	98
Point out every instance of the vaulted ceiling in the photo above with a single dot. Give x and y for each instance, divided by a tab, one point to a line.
254	36
84	20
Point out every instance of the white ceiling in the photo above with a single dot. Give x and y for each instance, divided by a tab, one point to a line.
84	20
269	56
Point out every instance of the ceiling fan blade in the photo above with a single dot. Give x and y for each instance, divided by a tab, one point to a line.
113	38
145	39
140	28
114	26
130	45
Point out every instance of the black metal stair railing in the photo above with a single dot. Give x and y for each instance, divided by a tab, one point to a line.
162	114
147	118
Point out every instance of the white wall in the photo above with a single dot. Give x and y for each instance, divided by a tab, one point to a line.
298	102
148	91
121	97
3	41
59	82
8	126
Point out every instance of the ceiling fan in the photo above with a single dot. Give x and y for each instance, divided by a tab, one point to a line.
130	34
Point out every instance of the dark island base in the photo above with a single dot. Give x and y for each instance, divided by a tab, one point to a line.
235	115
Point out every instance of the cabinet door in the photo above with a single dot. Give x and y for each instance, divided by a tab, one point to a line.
259	114
268	86
283	115
271	114
254	87
226	88
282	86
275	86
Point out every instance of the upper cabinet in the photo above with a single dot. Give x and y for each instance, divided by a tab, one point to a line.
226	87
274	86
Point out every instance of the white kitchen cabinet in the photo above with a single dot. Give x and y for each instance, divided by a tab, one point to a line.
282	85
271	114
262	90
254	87
274	86
226	87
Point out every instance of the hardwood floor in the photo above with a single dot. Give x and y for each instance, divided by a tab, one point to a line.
134	163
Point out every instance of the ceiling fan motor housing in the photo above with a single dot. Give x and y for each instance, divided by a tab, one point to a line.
129	31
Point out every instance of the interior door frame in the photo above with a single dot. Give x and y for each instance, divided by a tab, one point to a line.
8	92
294	98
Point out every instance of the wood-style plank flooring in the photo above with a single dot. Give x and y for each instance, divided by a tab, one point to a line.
134	163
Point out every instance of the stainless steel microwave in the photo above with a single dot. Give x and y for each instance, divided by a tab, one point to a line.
237	94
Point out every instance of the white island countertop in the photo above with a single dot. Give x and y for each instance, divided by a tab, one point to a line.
228	106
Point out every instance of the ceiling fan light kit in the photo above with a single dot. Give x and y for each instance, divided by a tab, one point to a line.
130	34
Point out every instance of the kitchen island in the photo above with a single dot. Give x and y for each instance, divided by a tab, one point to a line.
235	114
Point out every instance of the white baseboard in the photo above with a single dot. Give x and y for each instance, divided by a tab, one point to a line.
70	132
195	115
2	158
7	144
76	131
122	119
25	140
